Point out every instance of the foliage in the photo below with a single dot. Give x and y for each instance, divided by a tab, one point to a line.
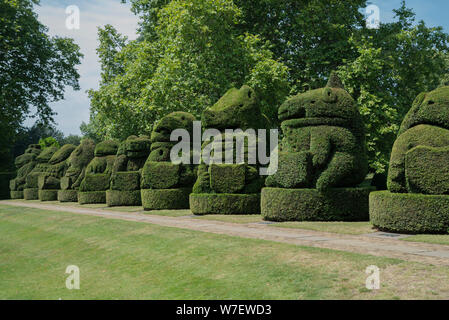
195	57
34	68
394	64
421	150
409	213
323	145
309	37
48	142
339	204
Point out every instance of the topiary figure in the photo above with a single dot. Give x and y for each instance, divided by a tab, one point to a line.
166	185
77	163
125	179
223	188
418	177
31	191
98	173
24	163
49	182
321	159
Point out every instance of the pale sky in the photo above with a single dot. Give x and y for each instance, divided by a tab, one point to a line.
94	13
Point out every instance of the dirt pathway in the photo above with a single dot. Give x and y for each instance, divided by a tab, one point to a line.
393	248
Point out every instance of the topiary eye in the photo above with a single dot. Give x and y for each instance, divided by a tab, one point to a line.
431	102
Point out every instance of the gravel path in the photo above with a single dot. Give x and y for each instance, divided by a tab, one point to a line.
373	244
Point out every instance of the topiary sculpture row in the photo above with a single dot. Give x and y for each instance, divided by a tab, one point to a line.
321	164
417	200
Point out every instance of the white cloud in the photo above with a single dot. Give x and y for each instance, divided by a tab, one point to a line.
93	14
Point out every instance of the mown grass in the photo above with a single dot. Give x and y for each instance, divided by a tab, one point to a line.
133	260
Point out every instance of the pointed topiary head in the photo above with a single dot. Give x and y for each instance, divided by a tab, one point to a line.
83	154
237	109
172	121
137	147
330	102
46	154
106	148
428	108
62	154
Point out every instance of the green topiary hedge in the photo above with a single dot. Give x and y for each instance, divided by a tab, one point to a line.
340	204
16	195
237	109
48	195
125	178
166	185
31	193
224	203
98	173
159	199
67	195
76	171
418	177
123	198
50	179
92	197
25	164
409	213
321	159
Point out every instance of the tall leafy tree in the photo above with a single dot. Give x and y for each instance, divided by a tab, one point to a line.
34	68
194	57
394	64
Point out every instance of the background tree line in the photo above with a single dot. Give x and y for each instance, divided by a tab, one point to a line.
190	52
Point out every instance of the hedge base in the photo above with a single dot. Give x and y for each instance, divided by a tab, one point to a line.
339	204
115	198
48	195
92	197
16	195
409	213
31	194
224	203
68	196
161	199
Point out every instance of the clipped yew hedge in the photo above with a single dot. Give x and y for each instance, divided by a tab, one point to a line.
224	203
339	204
409	213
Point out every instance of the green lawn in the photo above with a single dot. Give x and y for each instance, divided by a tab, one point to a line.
123	259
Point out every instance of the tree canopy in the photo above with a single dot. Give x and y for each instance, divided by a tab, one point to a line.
34	69
189	53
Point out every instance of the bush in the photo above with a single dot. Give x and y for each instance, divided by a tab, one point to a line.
95	182
125	181
223	203
92	197
31	194
409	213
340	204
67	196
123	198
159	199
105	148
16	194
160	175
48	195
323	145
